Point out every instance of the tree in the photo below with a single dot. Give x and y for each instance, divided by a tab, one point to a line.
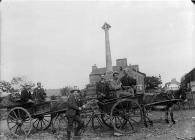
15	85
152	82
18	82
5	86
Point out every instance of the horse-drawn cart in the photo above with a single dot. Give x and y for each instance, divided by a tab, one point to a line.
125	114
128	114
22	117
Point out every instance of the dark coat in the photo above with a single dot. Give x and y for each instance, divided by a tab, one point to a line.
102	89
73	106
127	81
25	95
39	94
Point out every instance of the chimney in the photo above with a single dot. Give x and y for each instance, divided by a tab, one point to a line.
135	67
94	67
121	62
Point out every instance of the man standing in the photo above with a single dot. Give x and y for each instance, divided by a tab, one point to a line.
73	113
102	88
39	93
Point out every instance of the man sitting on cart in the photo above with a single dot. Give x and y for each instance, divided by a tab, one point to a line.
39	93
26	95
102	88
117	87
73	113
128	83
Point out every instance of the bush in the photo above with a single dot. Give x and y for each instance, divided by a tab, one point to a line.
65	91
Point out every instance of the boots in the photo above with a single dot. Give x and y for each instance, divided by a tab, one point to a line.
68	135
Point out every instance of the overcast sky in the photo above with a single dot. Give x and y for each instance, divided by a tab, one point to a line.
58	42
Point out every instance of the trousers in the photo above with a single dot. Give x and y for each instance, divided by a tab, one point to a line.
71	120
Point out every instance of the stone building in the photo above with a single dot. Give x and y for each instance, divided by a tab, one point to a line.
173	85
121	64
189	80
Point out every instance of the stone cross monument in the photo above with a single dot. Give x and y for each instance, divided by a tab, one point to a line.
109	70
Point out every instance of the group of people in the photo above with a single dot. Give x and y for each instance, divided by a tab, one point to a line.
38	94
74	105
115	87
120	87
104	89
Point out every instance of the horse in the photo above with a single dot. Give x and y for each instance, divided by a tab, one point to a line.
165	100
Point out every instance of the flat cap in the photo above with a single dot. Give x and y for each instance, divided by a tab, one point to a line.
116	72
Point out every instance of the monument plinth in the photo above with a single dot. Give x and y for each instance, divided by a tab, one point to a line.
109	69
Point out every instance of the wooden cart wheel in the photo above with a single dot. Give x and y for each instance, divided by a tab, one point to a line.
19	122
127	116
42	122
106	119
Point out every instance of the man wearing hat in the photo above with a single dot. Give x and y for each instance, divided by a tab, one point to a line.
128	83
73	113
116	86
26	94
102	88
39	93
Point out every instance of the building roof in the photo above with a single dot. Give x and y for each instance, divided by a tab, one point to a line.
190	76
173	81
115	68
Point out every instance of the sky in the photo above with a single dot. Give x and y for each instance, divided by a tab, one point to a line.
57	42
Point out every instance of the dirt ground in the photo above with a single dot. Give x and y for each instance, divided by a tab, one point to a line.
184	129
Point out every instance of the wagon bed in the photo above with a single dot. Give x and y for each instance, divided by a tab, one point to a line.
130	109
106	105
124	114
